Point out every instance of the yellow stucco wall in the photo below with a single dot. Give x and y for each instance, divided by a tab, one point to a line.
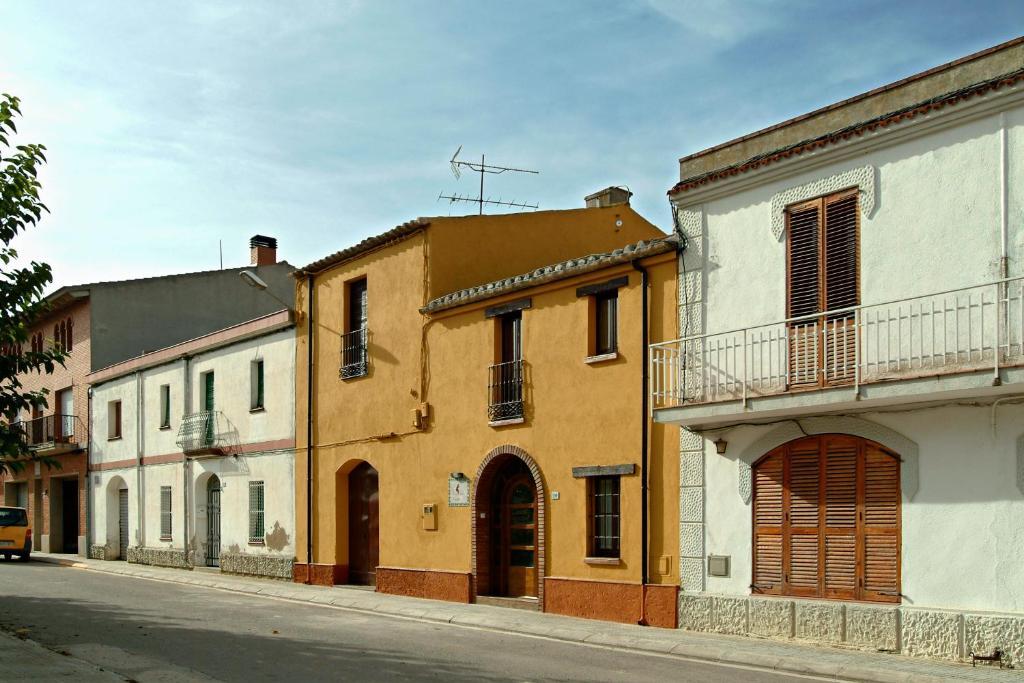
577	414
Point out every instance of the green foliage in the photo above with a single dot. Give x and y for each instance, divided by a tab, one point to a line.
21	287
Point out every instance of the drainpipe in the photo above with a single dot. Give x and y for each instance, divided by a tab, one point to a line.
309	430
185	461
644	336
1004	269
88	474
139	451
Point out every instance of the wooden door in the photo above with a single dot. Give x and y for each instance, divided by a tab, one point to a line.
517	554
363	525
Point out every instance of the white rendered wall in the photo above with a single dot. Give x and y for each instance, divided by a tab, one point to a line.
105	507
963	532
935	226
104	449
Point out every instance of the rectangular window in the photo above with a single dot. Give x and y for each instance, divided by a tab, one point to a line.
256	385
505	380
606	322
165	513
354	341
114	420
605	523
257	519
165	406
822	283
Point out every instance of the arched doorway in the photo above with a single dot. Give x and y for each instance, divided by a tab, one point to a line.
827	520
117	517
508	509
363	525
213	521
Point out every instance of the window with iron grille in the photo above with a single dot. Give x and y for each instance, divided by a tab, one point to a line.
257	518
165	513
605	523
165	406
354	341
256	385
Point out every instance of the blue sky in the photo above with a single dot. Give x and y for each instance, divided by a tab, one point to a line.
172	125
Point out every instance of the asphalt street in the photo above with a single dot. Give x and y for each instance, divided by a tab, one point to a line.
155	631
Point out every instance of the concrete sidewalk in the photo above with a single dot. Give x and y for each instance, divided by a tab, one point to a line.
788	657
25	660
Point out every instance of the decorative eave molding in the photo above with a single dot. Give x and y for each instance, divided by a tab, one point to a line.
812	426
862	178
842	150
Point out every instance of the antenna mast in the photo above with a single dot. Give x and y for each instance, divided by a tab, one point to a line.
483	168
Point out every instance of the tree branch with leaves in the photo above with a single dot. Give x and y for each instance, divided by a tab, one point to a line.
21	289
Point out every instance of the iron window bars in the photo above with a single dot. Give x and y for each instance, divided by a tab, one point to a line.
165	513
257	519
353	354
505	391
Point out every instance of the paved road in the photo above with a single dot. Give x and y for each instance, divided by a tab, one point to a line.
156	631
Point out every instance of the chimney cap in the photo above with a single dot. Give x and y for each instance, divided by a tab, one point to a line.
609	196
263	241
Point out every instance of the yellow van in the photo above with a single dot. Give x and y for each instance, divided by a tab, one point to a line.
15	533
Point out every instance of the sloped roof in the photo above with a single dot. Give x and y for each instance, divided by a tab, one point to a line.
394	234
556	271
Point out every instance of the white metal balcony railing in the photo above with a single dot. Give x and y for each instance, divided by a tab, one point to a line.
958	330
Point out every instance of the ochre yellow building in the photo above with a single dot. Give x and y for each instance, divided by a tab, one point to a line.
478	418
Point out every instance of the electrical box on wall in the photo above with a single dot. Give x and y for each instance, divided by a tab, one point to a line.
718	565
430	517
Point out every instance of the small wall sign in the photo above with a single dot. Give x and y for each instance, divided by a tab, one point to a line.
458	491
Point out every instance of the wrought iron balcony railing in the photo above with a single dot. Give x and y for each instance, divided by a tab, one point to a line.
959	330
203	433
353	354
52	430
505	391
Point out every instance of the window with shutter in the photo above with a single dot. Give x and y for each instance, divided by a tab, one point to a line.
822	264
827	520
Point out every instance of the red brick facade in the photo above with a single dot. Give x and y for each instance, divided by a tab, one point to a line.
72	464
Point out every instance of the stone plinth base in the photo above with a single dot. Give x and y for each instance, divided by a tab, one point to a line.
426	583
250	564
628	603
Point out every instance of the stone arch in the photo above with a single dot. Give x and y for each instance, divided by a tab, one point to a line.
788	431
481	527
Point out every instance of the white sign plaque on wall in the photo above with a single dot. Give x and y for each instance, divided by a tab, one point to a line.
458	491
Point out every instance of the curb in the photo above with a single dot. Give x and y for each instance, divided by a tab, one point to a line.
718	654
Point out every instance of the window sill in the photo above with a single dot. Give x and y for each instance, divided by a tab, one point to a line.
166	538
164	428
606	561
113	438
602	358
505	423
258	409
258	544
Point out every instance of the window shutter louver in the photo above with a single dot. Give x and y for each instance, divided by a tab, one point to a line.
768	521
841	290
827	520
803	494
881	525
803	293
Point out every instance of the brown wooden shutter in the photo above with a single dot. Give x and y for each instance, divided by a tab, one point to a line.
840	285
802	518
803	290
768	522
840	532
881	525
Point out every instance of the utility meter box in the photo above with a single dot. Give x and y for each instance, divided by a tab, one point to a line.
430	516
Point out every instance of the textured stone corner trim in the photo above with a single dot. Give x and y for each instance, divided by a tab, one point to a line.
690	222
746	483
788	431
1020	463
862	178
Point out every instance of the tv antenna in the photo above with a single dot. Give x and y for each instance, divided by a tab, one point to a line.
483	169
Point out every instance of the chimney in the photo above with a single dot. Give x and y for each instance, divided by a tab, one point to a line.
263	250
609	196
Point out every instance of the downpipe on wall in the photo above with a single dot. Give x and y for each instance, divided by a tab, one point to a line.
309	429
644	339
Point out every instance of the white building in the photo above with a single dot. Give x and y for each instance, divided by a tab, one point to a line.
850	375
192	453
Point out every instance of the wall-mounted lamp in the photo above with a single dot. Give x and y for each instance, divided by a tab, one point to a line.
720	445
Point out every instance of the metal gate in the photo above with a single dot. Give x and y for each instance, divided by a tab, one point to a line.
122	524
213	524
